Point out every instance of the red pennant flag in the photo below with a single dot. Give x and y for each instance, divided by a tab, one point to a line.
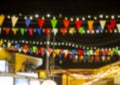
41	22
80	52
66	23
63	30
97	58
109	27
78	23
25	47
30	31
47	30
7	30
70	56
113	23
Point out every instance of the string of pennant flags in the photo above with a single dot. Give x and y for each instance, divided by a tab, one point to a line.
82	54
80	26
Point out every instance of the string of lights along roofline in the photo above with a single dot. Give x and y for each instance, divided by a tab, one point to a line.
72	18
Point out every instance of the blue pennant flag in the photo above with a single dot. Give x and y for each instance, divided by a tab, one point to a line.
39	31
27	22
99	28
73	52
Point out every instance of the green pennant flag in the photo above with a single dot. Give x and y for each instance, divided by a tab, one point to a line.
34	49
81	30
54	23
116	51
88	53
22	30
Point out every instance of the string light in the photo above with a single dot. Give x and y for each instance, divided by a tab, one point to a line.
77	18
8	16
48	15
107	16
101	16
36	15
95	18
112	17
31	17
83	18
89	16
71	19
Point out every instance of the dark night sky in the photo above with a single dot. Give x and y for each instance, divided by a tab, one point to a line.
66	7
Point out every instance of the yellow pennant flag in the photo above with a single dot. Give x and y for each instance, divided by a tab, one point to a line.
57	51
1	42
14	30
102	23
90	24
14	20
72	30
118	26
2	17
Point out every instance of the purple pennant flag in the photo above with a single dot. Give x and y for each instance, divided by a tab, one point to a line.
27	22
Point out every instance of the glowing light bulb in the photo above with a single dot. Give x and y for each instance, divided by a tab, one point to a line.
48	15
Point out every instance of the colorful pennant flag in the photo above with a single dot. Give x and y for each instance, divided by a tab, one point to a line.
34	49
47	31
22	31
2	17
30	31
66	23
55	31
90	25
63	31
41	23
27	22
118	26
39	31
81	30
7	30
102	23
54	23
72	30
14	30
78	23
14	20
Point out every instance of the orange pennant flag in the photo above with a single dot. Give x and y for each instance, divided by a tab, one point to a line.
63	30
14	31
90	24
2	17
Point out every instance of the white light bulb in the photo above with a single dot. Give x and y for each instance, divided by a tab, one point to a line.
112	17
88	31
8	16
97	31
48	15
89	16
95	18
77	18
83	18
71	19
101	16
31	17
25	17
36	15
